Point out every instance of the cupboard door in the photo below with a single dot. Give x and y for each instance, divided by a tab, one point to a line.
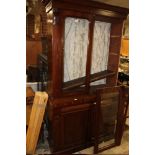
109	118
74	121
71	127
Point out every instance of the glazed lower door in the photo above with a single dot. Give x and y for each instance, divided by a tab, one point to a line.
109	119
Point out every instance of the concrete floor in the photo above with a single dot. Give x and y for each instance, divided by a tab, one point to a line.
122	149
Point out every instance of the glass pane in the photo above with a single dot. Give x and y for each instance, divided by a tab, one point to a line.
98	82
75	48
100	52
108	113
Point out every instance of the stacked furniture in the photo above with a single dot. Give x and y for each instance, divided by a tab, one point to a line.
84	57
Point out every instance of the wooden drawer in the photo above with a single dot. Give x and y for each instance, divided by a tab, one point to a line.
67	101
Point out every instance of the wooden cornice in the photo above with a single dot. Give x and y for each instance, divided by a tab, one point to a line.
89	6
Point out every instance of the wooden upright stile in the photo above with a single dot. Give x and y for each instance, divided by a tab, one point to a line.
35	122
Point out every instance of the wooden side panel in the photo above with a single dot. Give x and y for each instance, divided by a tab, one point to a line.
114	51
57	55
116	29
35	121
113	62
115	42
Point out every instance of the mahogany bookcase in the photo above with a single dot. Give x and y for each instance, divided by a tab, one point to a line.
84	57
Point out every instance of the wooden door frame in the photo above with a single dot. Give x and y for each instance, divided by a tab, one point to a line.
120	119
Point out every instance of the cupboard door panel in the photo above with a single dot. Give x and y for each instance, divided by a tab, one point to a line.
75	124
71	127
75	127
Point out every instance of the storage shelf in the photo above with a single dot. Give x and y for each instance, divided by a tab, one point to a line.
93	77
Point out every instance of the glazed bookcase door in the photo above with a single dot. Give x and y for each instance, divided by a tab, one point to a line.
75	48
109	118
100	50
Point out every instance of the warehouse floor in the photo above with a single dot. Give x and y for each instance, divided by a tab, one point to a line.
43	148
122	149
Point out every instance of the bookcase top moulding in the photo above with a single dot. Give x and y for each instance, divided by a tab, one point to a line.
88	6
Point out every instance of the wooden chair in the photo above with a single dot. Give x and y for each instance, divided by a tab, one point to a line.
35	122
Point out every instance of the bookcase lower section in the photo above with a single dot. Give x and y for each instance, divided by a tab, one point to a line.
72	123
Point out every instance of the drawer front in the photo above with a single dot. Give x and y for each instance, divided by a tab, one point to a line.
74	100
57	103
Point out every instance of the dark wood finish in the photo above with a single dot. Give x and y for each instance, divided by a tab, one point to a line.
61	10
71	107
90	6
106	147
89	55
70	136
100	5
125	91
93	77
114	51
111	96
107	19
70	13
101	75
115	42
108	112
116	29
70	123
57	55
120	119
